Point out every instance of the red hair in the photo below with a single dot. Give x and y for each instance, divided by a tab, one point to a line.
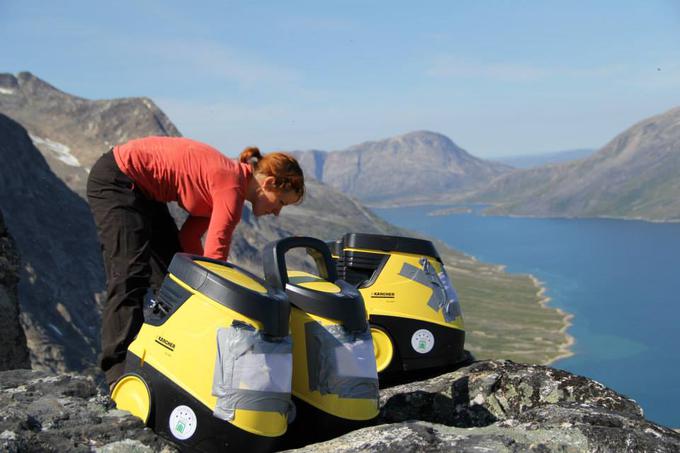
283	167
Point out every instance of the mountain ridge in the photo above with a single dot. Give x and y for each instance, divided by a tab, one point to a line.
398	168
635	175
101	123
547	158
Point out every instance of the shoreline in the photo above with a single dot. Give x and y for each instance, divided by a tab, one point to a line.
564	349
528	216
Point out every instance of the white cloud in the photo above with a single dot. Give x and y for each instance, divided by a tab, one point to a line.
447	66
316	24
213	58
280	126
227	126
203	112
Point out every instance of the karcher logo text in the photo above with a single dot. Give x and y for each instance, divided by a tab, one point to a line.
165	343
382	295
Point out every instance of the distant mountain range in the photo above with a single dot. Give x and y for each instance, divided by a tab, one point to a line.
408	168
636	175
536	160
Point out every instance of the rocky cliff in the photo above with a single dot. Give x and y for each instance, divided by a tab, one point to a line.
13	349
61	269
418	166
497	406
636	175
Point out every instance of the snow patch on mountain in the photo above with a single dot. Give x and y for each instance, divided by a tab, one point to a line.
62	152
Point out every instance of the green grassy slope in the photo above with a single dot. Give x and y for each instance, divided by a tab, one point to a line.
504	314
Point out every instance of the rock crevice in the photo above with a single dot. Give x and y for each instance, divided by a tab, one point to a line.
13	349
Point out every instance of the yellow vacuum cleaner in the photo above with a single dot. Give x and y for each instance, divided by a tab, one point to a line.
335	381
415	316
211	367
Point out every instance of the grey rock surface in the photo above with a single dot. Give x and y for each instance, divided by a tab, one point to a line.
13	350
489	391
416	436
413	167
45	412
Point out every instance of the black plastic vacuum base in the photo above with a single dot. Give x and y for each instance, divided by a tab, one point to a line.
447	349
312	425
403	377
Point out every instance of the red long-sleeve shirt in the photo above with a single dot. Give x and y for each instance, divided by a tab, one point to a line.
207	184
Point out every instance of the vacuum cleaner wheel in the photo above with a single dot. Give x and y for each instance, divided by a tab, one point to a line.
383	346
132	394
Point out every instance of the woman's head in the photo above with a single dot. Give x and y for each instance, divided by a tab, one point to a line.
278	181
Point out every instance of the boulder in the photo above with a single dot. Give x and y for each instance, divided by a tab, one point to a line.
496	390
502	406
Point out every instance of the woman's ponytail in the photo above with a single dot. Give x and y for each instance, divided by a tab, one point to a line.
250	155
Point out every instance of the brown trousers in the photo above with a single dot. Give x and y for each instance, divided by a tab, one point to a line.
138	238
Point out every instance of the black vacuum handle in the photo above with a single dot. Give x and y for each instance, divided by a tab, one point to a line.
274	259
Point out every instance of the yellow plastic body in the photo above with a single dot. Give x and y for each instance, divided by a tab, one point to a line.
392	294
347	408
184	348
313	282
233	275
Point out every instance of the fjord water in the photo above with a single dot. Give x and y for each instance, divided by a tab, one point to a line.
619	278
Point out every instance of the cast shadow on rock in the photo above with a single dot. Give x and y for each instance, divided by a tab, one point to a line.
457	411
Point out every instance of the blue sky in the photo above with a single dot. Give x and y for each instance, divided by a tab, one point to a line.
497	77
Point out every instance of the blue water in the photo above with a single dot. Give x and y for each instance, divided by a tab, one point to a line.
620	279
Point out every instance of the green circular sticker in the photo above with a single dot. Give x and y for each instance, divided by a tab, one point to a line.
422	341
183	422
